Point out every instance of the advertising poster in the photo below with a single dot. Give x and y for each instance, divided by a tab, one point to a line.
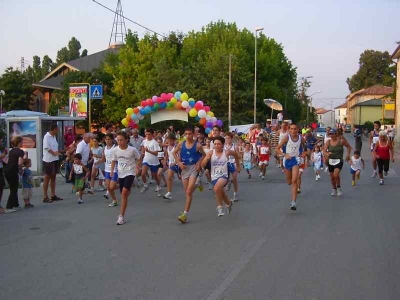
26	130
78	101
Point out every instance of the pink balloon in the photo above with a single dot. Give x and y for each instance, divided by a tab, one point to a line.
154	98
163	96
149	102
201	102
159	100
198	105
143	103
188	109
169	96
206	108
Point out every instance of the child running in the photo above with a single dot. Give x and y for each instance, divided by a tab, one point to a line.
316	158
207	168
264	152
291	160
356	162
172	166
128	159
80	173
247	159
189	160
111	182
219	173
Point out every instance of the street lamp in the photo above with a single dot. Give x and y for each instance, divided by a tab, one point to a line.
317	92
2	93
255	70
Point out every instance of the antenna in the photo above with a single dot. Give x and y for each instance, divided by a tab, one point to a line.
22	63
118	32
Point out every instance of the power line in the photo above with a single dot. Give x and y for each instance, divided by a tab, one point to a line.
126	18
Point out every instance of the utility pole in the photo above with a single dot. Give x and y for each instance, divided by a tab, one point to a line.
230	91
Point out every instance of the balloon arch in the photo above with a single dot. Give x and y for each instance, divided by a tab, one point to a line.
169	101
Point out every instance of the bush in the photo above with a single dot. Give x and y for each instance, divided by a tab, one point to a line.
369	125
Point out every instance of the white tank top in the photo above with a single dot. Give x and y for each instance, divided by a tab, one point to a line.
219	166
282	135
247	155
293	147
108	153
231	159
375	139
326	138
171	158
356	163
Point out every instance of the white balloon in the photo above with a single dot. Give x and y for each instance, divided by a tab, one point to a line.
213	120
208	118
185	104
140	117
202	113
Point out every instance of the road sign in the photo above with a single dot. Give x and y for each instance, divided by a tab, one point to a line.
96	91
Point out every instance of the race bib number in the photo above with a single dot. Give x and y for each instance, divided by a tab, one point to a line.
334	162
264	150
122	166
160	154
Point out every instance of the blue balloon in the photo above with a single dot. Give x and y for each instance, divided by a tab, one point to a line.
208	130
178	95
148	109
197	118
163	105
192	103
134	117
154	108
141	111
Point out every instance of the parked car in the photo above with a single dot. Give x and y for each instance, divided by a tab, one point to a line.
320	132
347	128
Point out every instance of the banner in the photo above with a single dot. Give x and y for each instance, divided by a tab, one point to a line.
78	101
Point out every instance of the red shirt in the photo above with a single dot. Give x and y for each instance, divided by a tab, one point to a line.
383	151
69	139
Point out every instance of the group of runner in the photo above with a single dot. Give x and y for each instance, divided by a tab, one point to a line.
219	159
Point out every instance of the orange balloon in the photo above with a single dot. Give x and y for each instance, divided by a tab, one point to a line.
136	110
203	121
128	118
178	105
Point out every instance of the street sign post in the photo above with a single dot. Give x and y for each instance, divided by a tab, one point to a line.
96	91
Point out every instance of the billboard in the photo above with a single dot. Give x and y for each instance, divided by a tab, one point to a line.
78	101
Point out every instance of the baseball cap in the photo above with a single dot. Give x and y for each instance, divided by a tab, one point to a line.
333	131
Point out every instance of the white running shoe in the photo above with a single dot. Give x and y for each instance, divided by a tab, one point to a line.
10	210
293	206
381	182
339	191
159	193
168	196
158	188
112	204
260	174
121	220
105	196
144	188
316	178
220	211
80	201
326	169
263	177
319	176
235	198
334	192
374	174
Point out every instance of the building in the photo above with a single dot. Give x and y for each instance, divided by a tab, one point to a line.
396	55
367	111
53	81
380	93
325	117
341	114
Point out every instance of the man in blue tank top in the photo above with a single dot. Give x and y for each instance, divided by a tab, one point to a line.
189	160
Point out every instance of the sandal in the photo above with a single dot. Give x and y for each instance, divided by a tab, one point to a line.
47	200
56	198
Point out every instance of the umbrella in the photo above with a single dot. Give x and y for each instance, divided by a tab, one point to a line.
274	105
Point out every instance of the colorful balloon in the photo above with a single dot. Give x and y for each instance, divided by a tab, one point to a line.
178	95
173	100
220	123
208	130
154	98
178	105
206	108
210	113
185	104
209	124
124	122
184	97
133	116
193	113
202	113
203	121
136	110
129	111
191	103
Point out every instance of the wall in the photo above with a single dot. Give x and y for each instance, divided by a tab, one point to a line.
327	119
362	114
340	114
397	107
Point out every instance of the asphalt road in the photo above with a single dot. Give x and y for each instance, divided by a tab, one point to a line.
330	248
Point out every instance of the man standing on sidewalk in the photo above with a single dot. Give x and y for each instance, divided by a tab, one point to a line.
50	161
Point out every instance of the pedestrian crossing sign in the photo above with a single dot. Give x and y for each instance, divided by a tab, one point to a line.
96	91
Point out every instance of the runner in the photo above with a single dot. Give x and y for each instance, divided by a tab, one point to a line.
356	162
282	133
128	160
383	152
207	168
162	167
264	151
173	168
232	165
373	139
248	159
219	173
316	158
150	149
333	150
189	160
80	172
290	148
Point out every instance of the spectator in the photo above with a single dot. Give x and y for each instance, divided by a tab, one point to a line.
50	161
358	139
69	137
280	118
136	140
3	154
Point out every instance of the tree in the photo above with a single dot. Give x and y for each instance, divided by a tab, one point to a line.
17	89
84	53
71	52
375	67
47	65
37	69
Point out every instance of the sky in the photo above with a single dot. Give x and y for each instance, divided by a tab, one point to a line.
323	39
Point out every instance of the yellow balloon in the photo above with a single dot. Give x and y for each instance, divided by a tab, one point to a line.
193	112
184	97
129	111
124	122
173	100
210	113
